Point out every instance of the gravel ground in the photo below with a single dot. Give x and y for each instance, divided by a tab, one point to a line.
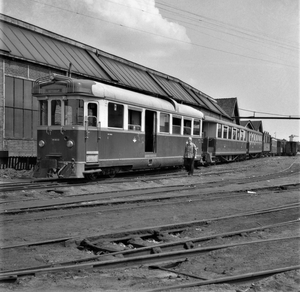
215	264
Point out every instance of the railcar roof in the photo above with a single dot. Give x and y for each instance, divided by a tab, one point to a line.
138	99
27	42
215	121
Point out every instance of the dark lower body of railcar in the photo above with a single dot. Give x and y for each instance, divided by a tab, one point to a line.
290	148
266	148
254	149
106	152
223	150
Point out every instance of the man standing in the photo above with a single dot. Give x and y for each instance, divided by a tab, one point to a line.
189	156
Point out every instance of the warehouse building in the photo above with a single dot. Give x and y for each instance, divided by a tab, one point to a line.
28	52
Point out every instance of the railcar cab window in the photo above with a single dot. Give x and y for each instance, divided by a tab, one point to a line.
176	125
43	112
164	123
73	112
197	128
115	115
55	112
134	120
187	127
92	114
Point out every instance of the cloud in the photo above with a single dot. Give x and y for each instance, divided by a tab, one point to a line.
141	16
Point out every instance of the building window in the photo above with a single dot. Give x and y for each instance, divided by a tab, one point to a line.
176	125
115	115
21	109
187	127
164	123
134	120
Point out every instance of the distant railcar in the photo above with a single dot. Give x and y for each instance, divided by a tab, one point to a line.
87	128
224	141
266	144
290	148
274	146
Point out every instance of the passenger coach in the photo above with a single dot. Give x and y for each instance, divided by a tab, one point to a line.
225	142
87	127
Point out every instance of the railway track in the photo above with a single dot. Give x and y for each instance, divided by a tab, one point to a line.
138	176
145	252
186	250
92	199
131	199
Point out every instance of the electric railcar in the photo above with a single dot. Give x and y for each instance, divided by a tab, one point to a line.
87	128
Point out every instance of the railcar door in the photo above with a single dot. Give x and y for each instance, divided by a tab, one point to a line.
150	131
92	133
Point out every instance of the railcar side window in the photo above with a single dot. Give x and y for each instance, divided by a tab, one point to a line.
219	131
234	134
74	112
55	112
238	134
197	128
134	120
230	133
176	125
225	131
43	112
164	123
187	127
115	115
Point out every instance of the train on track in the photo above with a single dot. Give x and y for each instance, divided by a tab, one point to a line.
88	128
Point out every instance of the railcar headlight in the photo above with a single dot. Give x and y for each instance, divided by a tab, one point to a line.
42	143
70	143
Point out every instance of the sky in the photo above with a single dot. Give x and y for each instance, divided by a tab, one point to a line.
248	49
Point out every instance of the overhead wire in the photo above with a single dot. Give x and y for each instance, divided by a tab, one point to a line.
200	18
258	112
162	36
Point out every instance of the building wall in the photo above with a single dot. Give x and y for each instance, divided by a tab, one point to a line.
18	109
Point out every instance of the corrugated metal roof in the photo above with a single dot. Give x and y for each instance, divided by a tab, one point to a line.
30	45
176	90
131	76
28	42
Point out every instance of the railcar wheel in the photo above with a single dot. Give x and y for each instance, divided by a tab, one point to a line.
91	176
112	173
50	173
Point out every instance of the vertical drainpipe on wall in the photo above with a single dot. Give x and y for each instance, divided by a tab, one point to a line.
3	146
